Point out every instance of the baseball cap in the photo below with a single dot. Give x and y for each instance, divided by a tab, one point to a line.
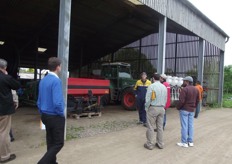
188	78
164	76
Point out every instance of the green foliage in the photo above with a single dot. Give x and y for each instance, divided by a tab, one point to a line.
227	79
132	56
26	70
227	101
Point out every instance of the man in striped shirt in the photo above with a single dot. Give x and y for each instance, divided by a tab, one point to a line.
156	98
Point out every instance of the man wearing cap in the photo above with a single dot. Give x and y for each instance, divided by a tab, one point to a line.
140	93
188	100
7	108
156	99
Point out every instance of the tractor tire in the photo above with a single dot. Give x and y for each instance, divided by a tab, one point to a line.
105	100
128	100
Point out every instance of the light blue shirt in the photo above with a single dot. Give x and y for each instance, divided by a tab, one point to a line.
160	95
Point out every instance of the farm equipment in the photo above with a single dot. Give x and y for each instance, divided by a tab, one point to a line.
84	96
121	84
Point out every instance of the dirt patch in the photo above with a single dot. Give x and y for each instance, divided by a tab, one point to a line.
116	138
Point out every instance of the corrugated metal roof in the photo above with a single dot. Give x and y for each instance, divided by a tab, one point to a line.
188	16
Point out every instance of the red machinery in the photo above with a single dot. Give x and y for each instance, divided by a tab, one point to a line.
84	96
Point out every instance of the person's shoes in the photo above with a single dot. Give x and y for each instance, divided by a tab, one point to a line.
148	147
145	124
191	144
12	157
158	146
140	123
182	145
12	139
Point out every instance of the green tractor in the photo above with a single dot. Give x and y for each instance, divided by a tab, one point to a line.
121	84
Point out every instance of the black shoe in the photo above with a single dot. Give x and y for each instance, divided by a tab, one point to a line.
12	157
158	146
145	124
148	147
12	139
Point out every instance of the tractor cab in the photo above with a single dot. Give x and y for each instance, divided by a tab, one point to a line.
121	83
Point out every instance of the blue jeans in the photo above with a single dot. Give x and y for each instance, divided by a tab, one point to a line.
141	109
186	120
165	119
198	109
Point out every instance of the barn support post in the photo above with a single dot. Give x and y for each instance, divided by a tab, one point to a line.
36	60
162	45
201	55
221	78
140	56
176	51
63	46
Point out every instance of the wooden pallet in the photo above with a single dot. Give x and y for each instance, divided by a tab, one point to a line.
89	115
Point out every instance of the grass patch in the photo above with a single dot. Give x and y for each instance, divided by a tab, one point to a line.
100	128
227	100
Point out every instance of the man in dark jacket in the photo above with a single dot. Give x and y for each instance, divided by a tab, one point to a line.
7	108
188	100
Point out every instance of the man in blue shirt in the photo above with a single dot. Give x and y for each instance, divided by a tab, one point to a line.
51	107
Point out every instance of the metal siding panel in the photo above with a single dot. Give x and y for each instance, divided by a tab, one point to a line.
181	14
158	5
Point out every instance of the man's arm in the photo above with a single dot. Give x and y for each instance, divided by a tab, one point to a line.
182	98
135	88
12	83
148	97
197	98
58	99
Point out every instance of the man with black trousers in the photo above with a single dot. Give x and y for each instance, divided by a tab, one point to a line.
51	107
7	108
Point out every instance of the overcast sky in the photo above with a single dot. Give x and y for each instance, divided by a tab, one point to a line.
220	12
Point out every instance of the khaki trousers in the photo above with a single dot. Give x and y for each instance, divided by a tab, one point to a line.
155	117
5	125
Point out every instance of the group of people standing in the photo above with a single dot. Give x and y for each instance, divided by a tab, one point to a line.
153	99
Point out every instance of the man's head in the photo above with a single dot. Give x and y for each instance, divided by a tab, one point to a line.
198	83
188	80
156	77
54	64
3	65
163	78
143	76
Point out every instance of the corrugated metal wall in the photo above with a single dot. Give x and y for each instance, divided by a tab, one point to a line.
188	16
181	59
